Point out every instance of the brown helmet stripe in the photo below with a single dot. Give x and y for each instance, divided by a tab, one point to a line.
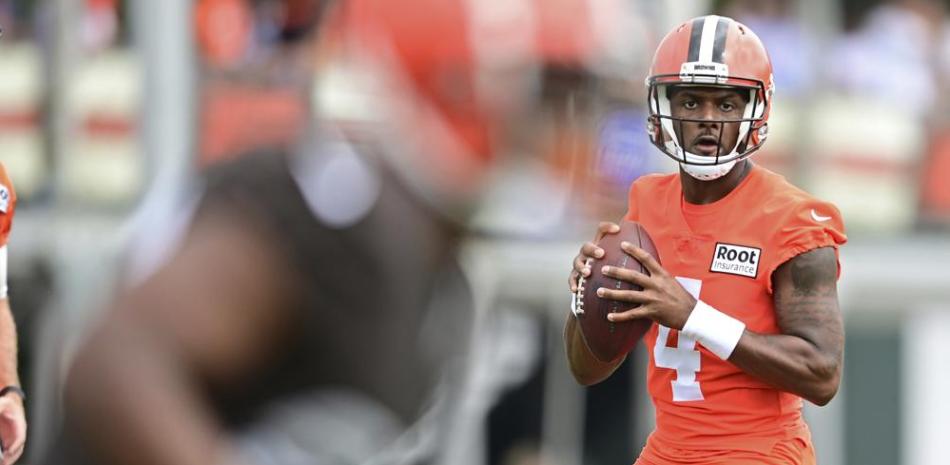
695	37
719	45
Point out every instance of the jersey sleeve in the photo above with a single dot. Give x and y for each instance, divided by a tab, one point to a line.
808	225
7	206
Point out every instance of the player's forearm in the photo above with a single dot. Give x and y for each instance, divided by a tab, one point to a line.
790	363
126	384
586	368
8	346
806	357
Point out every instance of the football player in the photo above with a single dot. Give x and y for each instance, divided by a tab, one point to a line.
744	304
298	307
12	416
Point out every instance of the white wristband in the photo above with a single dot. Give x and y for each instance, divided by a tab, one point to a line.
718	332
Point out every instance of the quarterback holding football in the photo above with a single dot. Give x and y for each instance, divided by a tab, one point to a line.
743	292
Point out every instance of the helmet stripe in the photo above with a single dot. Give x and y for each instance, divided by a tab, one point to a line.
722	28
708	38
695	37
707	41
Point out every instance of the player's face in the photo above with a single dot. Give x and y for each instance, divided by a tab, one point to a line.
710	105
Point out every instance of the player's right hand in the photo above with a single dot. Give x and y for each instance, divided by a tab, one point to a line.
590	251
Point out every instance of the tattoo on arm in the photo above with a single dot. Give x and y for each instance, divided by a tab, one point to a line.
814	272
806	300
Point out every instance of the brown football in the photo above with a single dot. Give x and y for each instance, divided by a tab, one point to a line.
608	340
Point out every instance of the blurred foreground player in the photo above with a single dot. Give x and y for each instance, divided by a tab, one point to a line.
745	303
12	416
303	312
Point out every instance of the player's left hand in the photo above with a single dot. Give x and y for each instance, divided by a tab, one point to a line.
663	299
12	428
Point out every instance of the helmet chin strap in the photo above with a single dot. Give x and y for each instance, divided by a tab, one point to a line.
708	172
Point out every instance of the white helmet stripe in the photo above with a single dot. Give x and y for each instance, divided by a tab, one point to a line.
708	38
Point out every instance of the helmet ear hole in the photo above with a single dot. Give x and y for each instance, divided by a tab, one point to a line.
763	132
756	137
653	127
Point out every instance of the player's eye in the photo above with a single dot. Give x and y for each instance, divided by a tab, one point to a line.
727	107
690	104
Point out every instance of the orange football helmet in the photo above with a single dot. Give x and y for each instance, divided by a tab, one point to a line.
710	51
447	82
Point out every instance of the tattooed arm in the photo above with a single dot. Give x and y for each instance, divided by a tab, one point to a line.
805	358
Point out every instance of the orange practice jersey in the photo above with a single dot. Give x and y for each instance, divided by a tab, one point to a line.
724	253
7	205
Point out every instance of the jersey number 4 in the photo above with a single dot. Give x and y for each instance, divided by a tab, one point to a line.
684	358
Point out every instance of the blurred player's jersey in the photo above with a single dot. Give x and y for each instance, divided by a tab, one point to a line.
7	205
725	253
361	281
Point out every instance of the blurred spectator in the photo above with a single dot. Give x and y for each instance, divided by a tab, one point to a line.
100	25
286	21
881	90
623	156
17	19
891	56
249	37
791	47
258	62
223	30
7	18
935	191
944	59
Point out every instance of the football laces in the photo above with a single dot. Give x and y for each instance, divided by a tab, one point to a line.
577	300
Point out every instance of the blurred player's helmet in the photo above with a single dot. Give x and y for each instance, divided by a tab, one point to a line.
445	80
406	74
710	51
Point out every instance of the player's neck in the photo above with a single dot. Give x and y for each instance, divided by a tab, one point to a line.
705	192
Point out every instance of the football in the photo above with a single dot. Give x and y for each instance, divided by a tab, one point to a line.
608	340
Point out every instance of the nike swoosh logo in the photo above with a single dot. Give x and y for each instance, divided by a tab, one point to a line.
818	217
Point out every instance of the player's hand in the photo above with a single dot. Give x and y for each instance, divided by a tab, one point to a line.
590	251
12	428
663	299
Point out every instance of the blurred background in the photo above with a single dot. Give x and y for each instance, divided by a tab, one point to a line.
108	105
